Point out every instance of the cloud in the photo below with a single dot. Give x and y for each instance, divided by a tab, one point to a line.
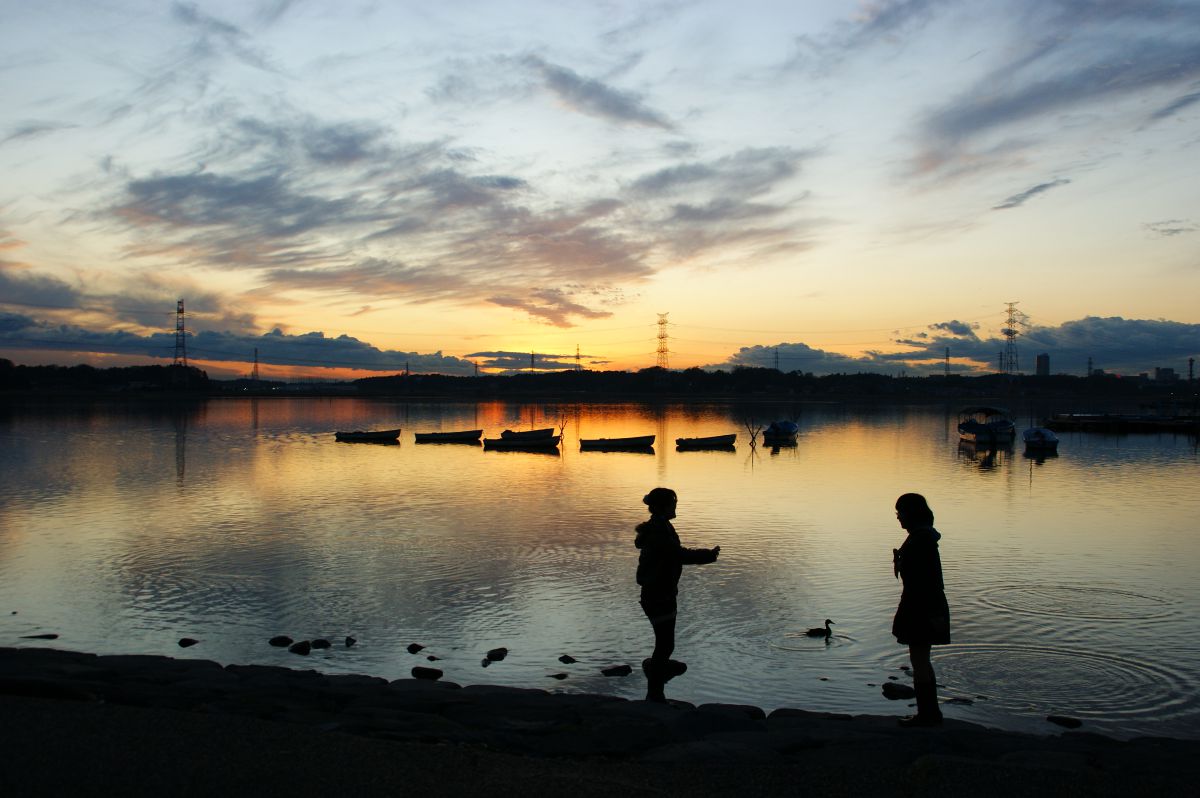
310	350
1170	227
524	362
592	97
550	305
1171	109
955	327
35	290
1075	55
33	129
1017	200
1124	346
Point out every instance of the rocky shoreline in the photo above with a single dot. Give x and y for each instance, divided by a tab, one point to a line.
441	719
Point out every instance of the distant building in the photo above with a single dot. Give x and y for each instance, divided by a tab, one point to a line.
1165	375
1043	365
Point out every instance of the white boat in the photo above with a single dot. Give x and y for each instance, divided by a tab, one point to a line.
986	426
1040	439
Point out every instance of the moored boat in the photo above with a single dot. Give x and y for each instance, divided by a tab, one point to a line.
986	426
708	442
1040	439
636	442
367	436
545	442
527	435
462	436
780	432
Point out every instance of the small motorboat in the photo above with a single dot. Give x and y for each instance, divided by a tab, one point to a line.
709	442
780	433
463	436
986	426
636	442
365	436
527	435
1040	439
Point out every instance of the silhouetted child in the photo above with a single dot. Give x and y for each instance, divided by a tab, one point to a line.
923	617
659	567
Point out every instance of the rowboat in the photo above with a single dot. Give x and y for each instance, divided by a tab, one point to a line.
710	442
528	435
550	442
464	436
636	442
364	436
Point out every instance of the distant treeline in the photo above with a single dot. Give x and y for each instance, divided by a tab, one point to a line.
747	382
739	383
88	379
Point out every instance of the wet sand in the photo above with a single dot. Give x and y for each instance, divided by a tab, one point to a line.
141	725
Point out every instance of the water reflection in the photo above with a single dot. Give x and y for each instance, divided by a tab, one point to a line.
125	528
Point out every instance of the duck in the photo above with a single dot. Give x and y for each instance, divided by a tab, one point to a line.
821	631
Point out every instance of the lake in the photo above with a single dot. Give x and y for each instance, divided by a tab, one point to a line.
1071	580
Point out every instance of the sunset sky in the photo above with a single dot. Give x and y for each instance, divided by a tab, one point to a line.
354	187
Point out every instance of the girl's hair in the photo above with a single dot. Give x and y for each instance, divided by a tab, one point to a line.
659	497
914	506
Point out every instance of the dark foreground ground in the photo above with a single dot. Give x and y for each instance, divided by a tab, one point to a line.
141	725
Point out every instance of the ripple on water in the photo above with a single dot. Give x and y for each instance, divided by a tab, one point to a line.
1071	680
1085	602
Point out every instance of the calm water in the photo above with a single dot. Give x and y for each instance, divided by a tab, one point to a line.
1072	581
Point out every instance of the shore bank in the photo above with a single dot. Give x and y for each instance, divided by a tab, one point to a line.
148	724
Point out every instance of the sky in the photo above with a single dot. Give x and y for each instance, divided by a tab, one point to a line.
359	188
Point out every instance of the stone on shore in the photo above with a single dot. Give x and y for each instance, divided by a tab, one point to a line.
497	654
413	648
281	641
894	691
431	674
617	670
187	642
302	648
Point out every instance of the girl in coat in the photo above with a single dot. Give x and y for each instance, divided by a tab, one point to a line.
923	617
659	567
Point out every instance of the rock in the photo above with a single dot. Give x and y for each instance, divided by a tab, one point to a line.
281	641
894	692
429	674
1064	721
486	662
186	642
303	647
559	676
617	670
350	641
822	678
413	648
321	642
48	636
497	654
894	678
432	658
966	702
567	659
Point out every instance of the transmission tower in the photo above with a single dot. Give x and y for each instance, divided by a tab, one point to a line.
777	358
254	373
662	341
578	367
1012	328
180	336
